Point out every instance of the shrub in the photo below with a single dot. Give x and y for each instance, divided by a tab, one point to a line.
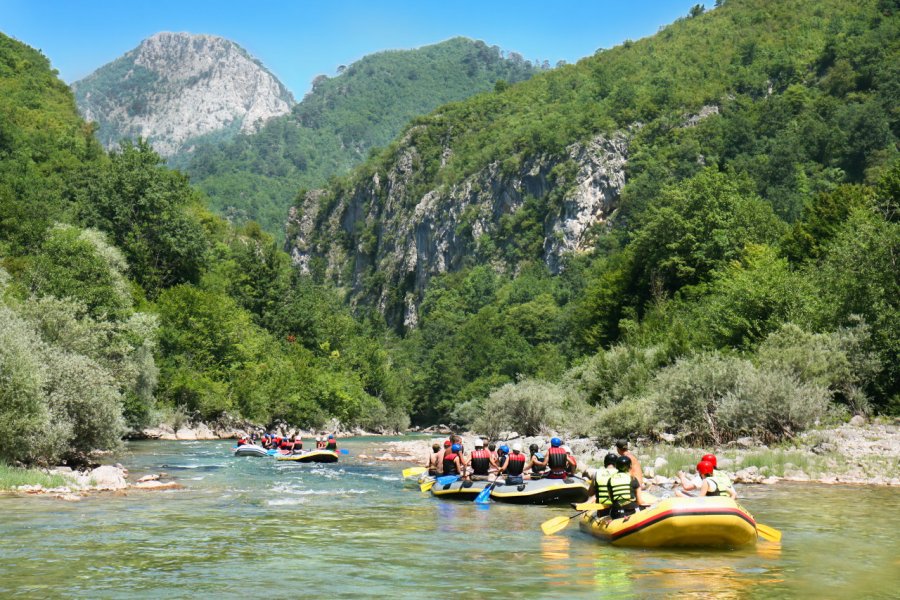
709	398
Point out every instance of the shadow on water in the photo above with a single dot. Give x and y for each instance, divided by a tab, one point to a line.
353	529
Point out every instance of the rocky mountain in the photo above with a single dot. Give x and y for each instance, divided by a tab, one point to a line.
364	106
176	87
540	171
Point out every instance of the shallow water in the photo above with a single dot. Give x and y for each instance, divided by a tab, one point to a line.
246	526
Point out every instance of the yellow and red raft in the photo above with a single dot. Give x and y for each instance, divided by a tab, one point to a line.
715	522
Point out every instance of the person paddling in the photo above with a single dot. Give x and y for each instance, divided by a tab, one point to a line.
514	465
298	444
599	488
331	443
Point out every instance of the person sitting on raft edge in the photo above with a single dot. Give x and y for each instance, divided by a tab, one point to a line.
713	485
452	462
432	464
537	463
559	460
624	490
514	466
480	461
331	443
636	471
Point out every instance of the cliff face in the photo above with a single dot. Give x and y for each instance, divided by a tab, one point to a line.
384	240
178	86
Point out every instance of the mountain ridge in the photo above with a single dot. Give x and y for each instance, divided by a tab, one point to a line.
175	86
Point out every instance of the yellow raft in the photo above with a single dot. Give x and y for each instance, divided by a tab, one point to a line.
310	456
715	522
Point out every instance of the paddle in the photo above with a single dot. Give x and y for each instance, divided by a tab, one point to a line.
768	533
344	451
413	471
551	526
444	480
484	496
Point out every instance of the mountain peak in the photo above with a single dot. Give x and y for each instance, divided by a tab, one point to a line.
177	86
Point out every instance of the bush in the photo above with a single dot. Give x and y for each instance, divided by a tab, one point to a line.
710	398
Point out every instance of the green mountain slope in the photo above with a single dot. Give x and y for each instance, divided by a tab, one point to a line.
717	147
256	176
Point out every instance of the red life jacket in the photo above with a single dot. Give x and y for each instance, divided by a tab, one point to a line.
481	461
516	464
450	463
557	459
285	445
241	442
332	444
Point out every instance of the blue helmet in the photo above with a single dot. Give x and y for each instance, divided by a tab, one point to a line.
556	442
456	447
504	449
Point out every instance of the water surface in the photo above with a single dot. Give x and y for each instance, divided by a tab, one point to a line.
246	526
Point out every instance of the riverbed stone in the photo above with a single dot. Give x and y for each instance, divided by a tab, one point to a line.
858	421
748	475
153	477
156	485
660	463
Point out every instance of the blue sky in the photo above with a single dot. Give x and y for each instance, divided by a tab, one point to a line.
299	40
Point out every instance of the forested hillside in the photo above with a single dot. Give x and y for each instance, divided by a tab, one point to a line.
744	281
256	176
124	301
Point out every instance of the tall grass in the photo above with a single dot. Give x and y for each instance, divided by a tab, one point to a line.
13	477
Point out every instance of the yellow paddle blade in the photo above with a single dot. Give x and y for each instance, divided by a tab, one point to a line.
768	533
427	485
413	471
589	506
555	524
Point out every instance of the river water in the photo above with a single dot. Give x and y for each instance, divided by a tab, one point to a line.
253	526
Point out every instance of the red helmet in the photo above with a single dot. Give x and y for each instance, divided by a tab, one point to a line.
447	443
710	458
704	467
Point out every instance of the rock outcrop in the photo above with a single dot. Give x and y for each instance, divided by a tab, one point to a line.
406	237
175	87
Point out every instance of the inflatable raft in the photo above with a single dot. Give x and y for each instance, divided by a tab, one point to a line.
713	522
250	450
542	491
459	490
310	456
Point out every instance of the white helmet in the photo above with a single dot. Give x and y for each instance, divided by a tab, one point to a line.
517	447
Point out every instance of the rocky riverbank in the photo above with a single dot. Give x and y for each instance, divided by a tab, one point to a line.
854	453
231	429
105	478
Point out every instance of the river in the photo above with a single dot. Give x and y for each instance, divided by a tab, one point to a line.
246	527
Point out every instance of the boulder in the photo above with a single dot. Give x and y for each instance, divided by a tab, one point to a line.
858	421
748	475
154	477
185	434
105	477
660	463
203	432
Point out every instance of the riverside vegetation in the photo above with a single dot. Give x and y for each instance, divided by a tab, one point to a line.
745	285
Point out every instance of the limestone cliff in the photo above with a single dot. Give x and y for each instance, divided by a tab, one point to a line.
383	240
175	87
